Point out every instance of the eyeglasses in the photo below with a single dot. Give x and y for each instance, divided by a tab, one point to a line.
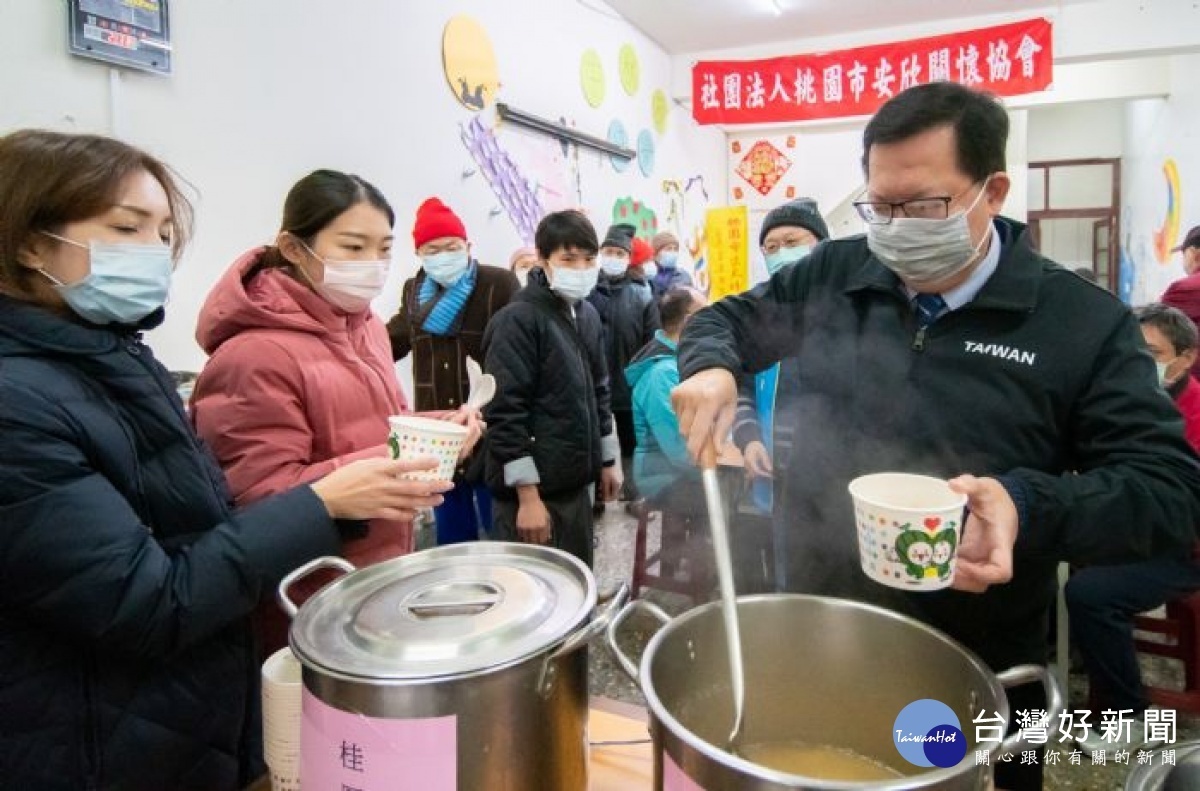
878	212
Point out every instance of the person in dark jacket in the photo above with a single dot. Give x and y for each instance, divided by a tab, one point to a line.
934	345
443	314
762	429
667	275
126	575
550	428
630	318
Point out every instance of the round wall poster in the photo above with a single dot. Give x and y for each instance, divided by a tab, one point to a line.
469	62
630	69
618	137
591	77
645	152
659	109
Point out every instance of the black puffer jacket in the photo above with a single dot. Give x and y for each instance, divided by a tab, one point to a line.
551	408
126	658
1042	380
630	316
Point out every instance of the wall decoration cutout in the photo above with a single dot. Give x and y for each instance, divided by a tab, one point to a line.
518	197
1166	236
618	137
763	166
659	110
645	152
629	69
637	214
470	63
685	218
591	78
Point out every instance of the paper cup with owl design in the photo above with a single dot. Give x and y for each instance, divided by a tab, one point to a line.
414	437
909	527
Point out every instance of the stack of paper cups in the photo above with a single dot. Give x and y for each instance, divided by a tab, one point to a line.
281	697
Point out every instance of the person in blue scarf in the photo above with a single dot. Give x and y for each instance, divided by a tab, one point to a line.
444	313
764	428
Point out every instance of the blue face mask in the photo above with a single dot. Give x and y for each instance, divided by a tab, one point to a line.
127	282
785	255
446	268
668	258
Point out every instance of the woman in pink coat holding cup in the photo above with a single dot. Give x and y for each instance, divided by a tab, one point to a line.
300	380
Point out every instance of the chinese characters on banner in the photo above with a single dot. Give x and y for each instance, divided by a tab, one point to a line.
727	231
1007	60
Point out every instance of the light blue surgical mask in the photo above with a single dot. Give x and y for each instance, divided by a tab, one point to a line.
667	259
446	268
613	266
127	282
786	255
574	284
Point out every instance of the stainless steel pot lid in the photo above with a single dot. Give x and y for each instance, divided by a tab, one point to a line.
1183	776
446	611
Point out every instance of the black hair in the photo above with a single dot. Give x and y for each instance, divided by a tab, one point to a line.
1173	323
675	307
318	199
979	121
565	230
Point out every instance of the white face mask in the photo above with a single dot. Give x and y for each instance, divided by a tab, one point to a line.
522	277
351	285
925	252
574	284
127	282
1162	371
651	269
446	268
613	266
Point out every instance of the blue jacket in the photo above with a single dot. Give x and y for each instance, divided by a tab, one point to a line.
126	579
661	457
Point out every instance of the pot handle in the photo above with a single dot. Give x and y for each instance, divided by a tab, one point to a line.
580	638
626	663
328	562
1027	674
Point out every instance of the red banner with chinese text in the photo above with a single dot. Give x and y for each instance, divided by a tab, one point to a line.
1007	60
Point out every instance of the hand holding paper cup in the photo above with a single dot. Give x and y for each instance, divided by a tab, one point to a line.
909	528
415	437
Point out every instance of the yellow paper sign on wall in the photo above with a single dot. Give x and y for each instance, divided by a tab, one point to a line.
728	233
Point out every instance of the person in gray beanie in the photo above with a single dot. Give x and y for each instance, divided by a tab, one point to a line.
789	232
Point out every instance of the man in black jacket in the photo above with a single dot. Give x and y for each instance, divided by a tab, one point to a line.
941	343
630	317
550	429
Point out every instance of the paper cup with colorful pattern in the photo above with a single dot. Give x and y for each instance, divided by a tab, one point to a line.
414	437
909	527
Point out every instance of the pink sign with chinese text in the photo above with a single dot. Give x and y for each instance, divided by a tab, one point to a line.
1007	60
342	750
674	778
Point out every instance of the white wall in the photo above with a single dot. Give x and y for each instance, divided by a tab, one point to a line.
1073	131
264	92
1158	130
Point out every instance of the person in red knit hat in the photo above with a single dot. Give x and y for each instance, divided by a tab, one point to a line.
629	314
444	311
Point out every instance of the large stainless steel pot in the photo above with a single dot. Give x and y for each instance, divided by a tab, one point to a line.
451	668
1184	775
818	670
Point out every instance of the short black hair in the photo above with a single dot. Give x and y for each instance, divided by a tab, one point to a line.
1173	323
674	308
979	121
565	230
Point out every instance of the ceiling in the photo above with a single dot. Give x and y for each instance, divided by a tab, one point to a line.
691	25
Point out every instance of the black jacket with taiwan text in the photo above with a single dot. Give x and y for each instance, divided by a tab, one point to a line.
1042	380
550	422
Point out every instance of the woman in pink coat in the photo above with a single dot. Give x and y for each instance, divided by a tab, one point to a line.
301	381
